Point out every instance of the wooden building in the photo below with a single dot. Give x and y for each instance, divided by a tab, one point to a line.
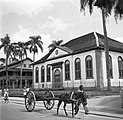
14	76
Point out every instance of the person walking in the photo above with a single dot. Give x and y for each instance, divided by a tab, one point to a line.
6	94
83	100
25	90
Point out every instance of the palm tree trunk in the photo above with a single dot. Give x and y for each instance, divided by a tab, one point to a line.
34	57
33	71
6	71
21	74
106	48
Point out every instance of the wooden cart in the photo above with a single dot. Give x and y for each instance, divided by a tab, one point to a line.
48	99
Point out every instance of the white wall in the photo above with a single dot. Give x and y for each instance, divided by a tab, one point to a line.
86	82
83	80
27	62
115	80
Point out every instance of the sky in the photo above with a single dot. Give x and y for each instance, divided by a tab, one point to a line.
52	20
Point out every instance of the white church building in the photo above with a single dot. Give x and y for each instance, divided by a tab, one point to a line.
80	61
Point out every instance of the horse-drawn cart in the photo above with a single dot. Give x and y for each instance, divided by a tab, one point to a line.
48	97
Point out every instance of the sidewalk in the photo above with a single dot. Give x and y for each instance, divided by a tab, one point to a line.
106	106
109	106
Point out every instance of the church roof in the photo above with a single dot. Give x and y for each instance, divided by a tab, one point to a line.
85	43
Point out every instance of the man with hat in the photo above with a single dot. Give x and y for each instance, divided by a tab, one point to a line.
83	100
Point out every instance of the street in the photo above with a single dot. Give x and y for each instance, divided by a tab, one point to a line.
17	111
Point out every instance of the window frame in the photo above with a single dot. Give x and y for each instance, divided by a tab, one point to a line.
29	65
48	73
110	67
24	65
67	70
89	67
36	75
120	69
77	69
42	74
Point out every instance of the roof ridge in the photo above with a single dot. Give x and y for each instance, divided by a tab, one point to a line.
66	49
96	37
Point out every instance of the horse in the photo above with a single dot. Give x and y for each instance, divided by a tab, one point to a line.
69	98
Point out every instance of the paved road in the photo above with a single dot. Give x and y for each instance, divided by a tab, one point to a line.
15	110
101	105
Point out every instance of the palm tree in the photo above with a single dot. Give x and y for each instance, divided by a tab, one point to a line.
34	43
54	44
106	6
20	50
7	46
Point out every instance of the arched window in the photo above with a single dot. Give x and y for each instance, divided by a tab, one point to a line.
42	74
77	68
110	67
67	70
89	67
120	66
48	73
36	75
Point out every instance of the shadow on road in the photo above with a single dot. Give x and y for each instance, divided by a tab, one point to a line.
64	116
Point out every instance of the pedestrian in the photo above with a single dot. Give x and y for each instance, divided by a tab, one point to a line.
6	94
83	100
24	92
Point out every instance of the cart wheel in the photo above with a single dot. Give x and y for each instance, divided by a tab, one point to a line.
48	100
30	101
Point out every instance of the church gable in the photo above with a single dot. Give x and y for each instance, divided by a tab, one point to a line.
58	52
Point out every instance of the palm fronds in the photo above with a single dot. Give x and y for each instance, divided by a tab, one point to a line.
110	6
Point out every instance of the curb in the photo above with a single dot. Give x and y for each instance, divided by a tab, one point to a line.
106	114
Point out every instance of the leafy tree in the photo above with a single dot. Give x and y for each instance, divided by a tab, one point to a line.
106	6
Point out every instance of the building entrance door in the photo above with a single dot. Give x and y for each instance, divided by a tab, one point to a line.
57	78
